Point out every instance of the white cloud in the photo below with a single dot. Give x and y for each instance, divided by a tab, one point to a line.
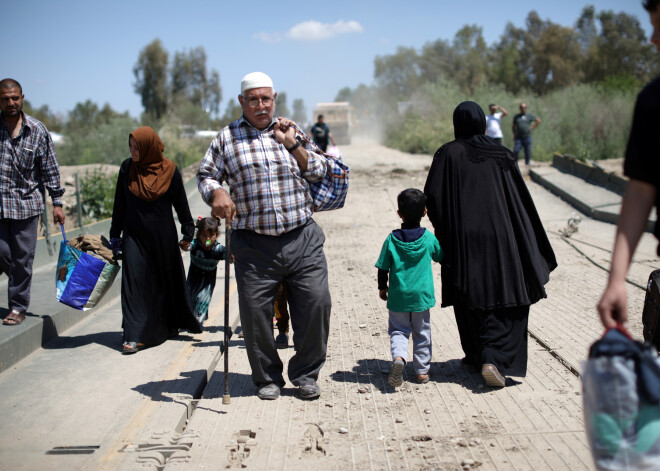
268	37
315	30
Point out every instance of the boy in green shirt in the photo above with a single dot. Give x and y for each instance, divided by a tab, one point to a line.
406	256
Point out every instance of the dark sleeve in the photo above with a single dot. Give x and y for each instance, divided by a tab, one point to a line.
119	206
642	160
433	189
180	203
382	278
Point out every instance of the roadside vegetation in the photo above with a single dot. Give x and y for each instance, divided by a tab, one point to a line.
581	81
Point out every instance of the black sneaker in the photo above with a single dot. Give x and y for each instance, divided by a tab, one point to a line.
269	392
310	391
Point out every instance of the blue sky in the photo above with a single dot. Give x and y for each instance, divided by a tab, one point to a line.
68	51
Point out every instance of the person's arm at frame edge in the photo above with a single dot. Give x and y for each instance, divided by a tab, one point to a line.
635	209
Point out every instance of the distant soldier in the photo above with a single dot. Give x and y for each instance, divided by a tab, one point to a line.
321	133
642	166
28	165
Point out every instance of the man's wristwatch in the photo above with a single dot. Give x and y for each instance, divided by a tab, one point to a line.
293	147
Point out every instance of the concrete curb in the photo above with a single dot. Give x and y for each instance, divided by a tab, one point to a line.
608	212
36	331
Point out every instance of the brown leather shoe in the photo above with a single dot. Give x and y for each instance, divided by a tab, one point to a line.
492	376
14	318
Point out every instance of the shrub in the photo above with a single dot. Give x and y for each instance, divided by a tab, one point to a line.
588	121
97	195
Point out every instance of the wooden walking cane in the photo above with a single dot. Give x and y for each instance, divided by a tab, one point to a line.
226	399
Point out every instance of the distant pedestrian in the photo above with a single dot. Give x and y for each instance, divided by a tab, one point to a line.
523	125
493	122
321	134
497	255
28	167
154	297
205	253
642	166
406	257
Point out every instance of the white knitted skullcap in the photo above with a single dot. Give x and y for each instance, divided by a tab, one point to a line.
255	80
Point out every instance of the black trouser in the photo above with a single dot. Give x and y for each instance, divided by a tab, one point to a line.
262	262
18	240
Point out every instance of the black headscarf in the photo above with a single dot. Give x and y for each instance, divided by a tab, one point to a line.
469	120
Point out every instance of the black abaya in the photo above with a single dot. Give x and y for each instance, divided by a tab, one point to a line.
154	295
497	255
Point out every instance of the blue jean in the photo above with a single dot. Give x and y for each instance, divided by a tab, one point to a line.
524	143
401	325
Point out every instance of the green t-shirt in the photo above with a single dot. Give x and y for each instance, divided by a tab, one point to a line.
411	276
523	122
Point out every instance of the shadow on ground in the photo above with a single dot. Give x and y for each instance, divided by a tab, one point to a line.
374	372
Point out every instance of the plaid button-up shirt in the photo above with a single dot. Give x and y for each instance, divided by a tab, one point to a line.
270	192
27	165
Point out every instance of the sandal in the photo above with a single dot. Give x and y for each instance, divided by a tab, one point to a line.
14	318
130	347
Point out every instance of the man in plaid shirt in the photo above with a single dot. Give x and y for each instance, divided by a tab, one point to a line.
274	237
27	165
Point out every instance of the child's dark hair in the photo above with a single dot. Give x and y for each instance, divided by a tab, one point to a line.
207	224
412	203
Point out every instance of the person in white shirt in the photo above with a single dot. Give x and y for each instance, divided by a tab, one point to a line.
493	128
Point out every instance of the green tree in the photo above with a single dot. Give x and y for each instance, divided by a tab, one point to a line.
505	60
436	59
150	73
623	49
51	120
397	74
470	55
549	54
191	81
102	143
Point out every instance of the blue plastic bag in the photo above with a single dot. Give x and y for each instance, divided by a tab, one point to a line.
621	385
81	280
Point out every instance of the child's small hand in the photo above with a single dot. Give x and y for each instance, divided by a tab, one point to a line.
184	245
383	294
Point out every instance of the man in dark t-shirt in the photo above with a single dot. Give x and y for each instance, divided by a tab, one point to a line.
321	133
523	124
642	167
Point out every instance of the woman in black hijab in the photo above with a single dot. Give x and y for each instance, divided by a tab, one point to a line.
497	255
